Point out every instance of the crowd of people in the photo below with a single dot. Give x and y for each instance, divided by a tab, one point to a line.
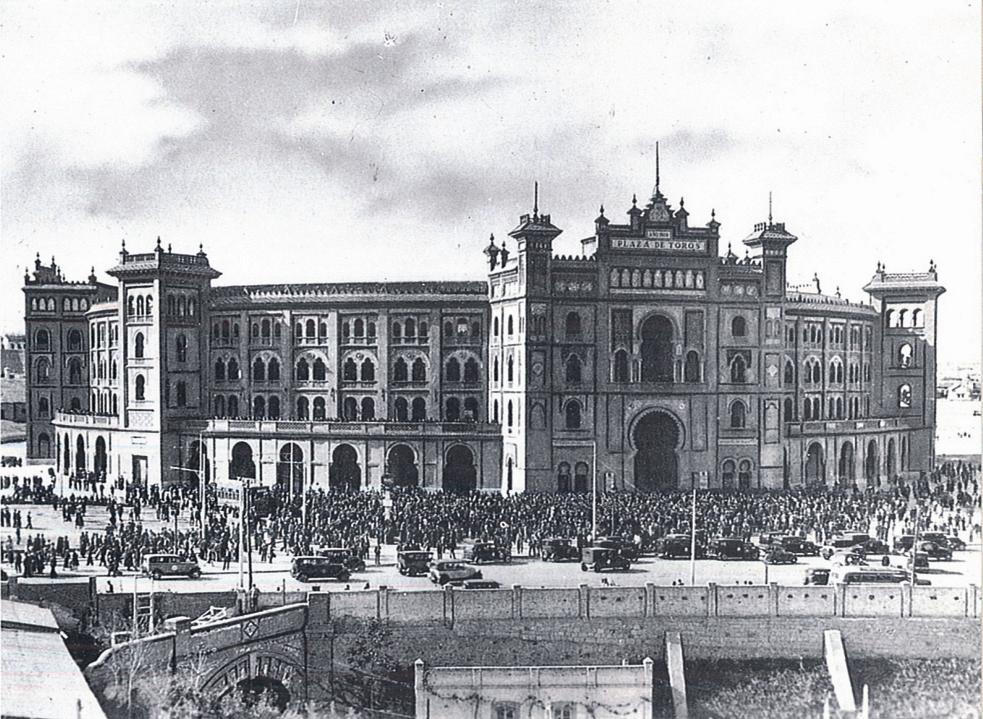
111	532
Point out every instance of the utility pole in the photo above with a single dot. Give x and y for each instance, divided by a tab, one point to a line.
692	542
593	465
202	489
242	526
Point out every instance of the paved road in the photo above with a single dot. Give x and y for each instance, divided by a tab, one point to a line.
964	569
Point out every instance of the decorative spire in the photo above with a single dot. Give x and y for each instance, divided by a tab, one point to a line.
713	213
682	202
535	201
168	248
657	179
769	208
159	248
634	200
602	210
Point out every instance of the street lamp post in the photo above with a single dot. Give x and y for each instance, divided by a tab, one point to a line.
387	505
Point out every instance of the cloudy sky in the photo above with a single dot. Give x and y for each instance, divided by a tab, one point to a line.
306	141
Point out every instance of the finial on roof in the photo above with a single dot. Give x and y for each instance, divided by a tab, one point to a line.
602	210
37	256
769	207
713	214
168	248
535	200
123	244
931	266
838	291
158	242
657	178
682	201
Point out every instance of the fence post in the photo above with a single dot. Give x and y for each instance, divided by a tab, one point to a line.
711	599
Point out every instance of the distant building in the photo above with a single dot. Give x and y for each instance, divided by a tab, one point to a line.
653	356
12	349
13	405
552	692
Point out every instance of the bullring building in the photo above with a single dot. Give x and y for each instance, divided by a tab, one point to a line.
652	361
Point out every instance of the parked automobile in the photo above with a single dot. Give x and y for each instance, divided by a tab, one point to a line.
623	545
903	543
304	569
342	555
479	552
871	575
776	555
674	546
848	558
933	551
169	565
559	549
872	545
921	560
600	558
480	584
943	540
412	562
799	546
444	571
818	576
766	539
841	542
732	548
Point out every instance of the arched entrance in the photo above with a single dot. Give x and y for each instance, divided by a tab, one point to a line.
100	456
656	334
460	474
815	464
656	438
344	473
892	469
242	464
197	456
871	463
80	455
846	469
402	466
290	470
264	690
66	455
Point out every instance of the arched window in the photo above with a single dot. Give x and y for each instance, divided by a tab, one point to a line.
657	348
789	377
322	329
448	329
691	371
74	341
494	417
839	408
452	409
738	369
510	326
563	484
259	370
233	406
114	370
75	371
904	355
218	406
402	409
182	394
573	325
620	366
572	414
419	409
273	370
574	369
320	370
397	331
510	369
320	411
310	328
738	327
916	318
471	409
738	415
302	372
140	306
371	329
452	370
419	371
410	328
788	410
807	409
359	328
744	474
904	396
259	407
346	330
728	471
832	371
42	340
476	330
902	316
400	370
495	326
509	415
471	370
273	408
140	386
368	370
43	407
219	370
181	348
349	371
233	372
265	328
889	318
138	345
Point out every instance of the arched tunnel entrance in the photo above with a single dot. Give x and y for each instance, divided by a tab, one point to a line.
263	690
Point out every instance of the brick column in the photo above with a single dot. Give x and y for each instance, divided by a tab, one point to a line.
584	601
711	599
516	601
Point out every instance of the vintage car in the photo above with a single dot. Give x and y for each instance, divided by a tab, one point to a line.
818	576
872	545
600	558
768	538
732	548
623	545
842	542
304	569
921	560
449	570
479	584
559	549
479	552
871	575
412	562
848	558
675	546
933	551
776	555
943	540
903	543
342	555
169	565
799	546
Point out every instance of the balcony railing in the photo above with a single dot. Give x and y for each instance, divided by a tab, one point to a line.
840	426
337	426
85	419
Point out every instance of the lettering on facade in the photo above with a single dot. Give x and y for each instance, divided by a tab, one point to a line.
659	244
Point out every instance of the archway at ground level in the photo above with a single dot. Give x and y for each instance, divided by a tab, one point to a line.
815	464
460	474
242	464
290	469
100	456
66	455
847	470
871	463
401	466
256	690
80	455
344	472
656	438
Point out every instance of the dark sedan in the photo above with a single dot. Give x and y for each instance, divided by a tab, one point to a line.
777	555
732	548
